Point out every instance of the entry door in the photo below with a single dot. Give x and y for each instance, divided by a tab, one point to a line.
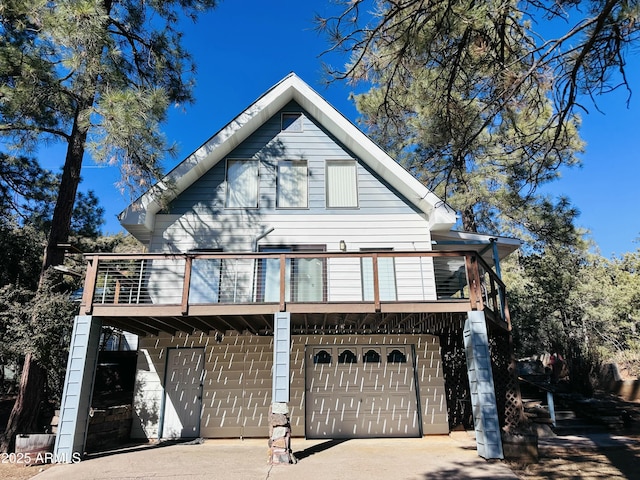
183	393
359	391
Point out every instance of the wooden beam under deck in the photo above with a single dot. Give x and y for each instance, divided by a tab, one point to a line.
162	311
130	325
318	323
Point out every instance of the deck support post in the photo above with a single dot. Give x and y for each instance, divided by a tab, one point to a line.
279	420
483	396
78	386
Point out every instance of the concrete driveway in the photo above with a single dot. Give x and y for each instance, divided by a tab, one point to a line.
433	458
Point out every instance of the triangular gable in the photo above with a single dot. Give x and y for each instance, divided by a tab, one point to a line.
139	217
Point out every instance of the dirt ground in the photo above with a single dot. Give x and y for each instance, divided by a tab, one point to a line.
12	471
606	464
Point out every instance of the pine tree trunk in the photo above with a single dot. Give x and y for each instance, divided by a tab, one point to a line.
24	416
469	223
25	412
61	221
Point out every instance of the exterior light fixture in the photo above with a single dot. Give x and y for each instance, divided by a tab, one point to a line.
343	246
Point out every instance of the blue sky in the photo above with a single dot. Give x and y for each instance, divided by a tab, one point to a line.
244	47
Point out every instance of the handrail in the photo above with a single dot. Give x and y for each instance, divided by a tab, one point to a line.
234	278
497	294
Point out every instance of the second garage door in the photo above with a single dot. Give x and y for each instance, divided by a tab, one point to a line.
359	391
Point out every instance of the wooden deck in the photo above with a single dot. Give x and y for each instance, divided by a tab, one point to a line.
152	293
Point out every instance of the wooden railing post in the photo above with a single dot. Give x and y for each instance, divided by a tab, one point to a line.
186	285
376	282
91	277
283	281
473	274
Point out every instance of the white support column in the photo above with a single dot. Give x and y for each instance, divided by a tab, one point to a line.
483	397
279	420
281	360
78	385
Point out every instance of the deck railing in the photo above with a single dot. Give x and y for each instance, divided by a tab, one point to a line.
375	279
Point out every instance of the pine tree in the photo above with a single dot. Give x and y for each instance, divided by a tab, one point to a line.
475	102
97	75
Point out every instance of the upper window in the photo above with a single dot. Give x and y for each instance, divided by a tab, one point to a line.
242	184
293	183
291	122
341	184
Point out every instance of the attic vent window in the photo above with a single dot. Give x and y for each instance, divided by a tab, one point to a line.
291	122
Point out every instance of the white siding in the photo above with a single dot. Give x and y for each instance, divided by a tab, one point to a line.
198	219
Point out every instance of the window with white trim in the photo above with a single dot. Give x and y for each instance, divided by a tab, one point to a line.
242	183
292	184
341	184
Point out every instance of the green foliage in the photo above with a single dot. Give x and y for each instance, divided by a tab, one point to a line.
40	320
22	255
475	102
38	323
24	187
583	306
95	70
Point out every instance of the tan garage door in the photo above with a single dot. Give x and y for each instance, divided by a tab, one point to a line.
358	391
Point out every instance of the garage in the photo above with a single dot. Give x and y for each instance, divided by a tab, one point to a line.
361	391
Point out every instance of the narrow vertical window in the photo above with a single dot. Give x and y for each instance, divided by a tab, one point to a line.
292	184
242	184
341	184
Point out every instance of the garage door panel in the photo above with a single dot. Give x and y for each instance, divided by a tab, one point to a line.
361	399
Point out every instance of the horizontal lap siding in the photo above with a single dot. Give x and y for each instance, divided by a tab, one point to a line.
237	381
415	279
344	283
198	219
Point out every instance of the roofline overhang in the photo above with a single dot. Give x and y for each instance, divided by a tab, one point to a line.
479	242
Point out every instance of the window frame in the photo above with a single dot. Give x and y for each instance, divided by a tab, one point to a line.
228	190
396	356
345	358
296	126
292	293
386	285
365	352
352	162
320	355
278	184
